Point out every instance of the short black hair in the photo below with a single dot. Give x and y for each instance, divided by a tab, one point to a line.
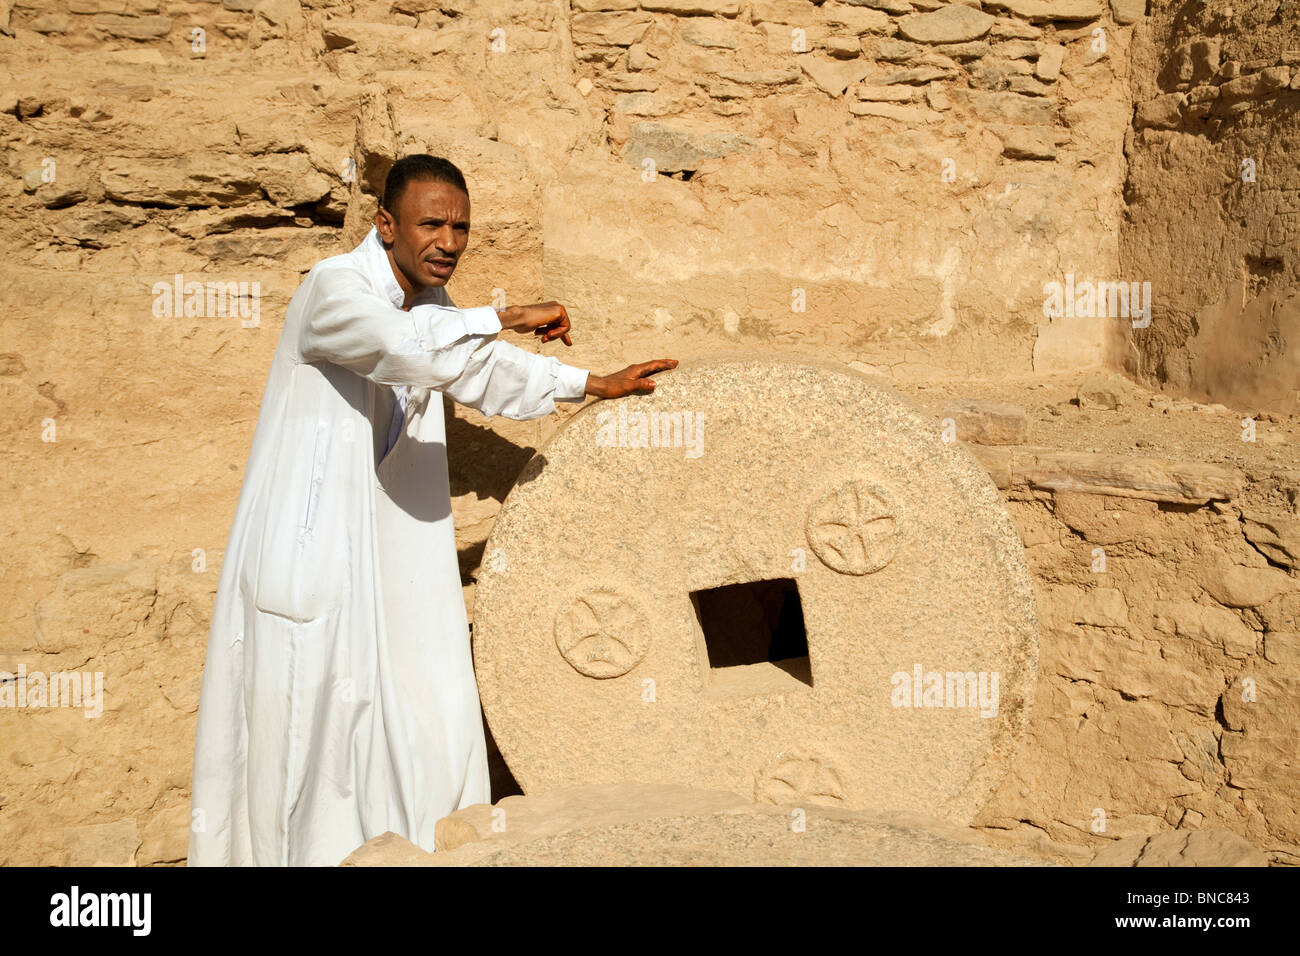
423	167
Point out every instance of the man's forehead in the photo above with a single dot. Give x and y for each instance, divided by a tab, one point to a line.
425	197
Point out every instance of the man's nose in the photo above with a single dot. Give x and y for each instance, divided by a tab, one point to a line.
445	240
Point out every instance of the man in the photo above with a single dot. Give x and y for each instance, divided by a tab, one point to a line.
338	696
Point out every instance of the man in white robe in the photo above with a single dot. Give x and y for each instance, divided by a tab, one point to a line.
338	698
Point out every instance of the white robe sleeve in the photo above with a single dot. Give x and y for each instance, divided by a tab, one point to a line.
454	351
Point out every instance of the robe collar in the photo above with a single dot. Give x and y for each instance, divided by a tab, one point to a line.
375	258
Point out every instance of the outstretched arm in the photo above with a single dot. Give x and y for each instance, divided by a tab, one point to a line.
452	350
455	351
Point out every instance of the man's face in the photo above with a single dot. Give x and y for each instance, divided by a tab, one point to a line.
427	234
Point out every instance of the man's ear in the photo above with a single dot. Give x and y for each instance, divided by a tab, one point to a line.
385	224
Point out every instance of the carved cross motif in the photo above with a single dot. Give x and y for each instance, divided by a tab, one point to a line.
853	529
602	634
799	778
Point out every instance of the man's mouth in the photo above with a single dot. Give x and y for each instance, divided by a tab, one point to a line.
441	265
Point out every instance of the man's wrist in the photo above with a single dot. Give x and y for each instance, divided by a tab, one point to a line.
481	320
596	385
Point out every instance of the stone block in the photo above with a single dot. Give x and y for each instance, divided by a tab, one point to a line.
911	115
989	423
843	18
100	844
694	8
1025	142
675	148
1131	477
1128	11
709	32
1040	11
92	609
955	23
833	78
1236	585
1104	391
1181	848
1048	67
1275	536
620	28
133	28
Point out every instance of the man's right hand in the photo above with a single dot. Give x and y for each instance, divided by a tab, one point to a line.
634	378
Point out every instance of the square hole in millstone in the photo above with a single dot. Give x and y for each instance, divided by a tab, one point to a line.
753	638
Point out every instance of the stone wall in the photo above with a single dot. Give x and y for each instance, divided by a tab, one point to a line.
138	150
1168	672
887	181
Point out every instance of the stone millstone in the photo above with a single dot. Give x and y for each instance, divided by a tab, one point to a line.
605	650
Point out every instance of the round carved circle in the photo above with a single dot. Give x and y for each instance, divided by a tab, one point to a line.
853	529
799	778
602	634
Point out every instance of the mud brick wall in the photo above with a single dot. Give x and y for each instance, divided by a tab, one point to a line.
1213	197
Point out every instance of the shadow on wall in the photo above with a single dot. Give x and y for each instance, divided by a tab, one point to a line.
1245	354
479	460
